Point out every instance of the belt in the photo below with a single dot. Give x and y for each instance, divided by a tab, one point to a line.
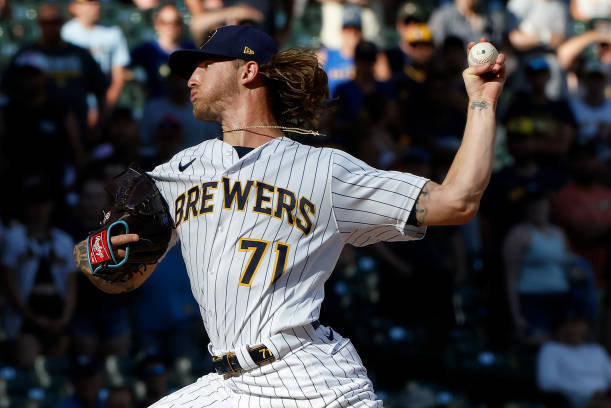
260	354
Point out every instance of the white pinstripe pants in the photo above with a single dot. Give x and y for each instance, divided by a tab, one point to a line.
321	373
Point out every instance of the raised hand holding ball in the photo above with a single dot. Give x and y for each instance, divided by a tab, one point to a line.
482	53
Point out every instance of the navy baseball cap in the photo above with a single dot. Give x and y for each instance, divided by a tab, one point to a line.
229	42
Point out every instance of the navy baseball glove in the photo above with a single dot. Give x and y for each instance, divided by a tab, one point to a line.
139	209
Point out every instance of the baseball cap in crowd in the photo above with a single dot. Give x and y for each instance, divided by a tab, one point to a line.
229	42
418	33
410	12
351	16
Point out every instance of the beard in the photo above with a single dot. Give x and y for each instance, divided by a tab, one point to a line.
205	112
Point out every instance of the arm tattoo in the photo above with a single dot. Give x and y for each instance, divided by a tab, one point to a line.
80	256
421	205
82	264
481	105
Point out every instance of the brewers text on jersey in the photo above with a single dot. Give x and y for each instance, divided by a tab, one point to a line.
269	200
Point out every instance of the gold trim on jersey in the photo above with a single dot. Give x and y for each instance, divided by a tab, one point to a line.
178	209
307	228
285	255
281	206
207	196
256	252
192	202
270	200
240	196
261	198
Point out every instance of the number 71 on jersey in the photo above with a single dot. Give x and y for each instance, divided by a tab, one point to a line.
257	249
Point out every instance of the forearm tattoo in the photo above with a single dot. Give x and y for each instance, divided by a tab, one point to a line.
80	256
82	264
481	105
421	205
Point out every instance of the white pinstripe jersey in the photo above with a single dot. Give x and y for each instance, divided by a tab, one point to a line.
261	234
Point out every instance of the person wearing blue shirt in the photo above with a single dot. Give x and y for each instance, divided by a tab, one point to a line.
153	56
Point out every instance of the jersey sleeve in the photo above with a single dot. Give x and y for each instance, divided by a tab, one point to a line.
372	205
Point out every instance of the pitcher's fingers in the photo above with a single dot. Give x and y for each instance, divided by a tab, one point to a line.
121	253
479	69
469	46
124	239
498	64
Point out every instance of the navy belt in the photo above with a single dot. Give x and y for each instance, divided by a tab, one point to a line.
261	355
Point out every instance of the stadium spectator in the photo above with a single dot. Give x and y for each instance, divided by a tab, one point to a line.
145	5
500	208
413	93
167	139
334	14
338	63
463	19
120	397
71	71
121	133
106	44
87	378
207	15
366	111
153	56
592	109
165	313
537	29
587	10
176	108
449	96
579	370
582	209
40	278
536	253
596	41
409	13
153	372
552	121
539	24
31	122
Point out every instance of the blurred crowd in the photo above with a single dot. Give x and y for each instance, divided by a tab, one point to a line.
512	308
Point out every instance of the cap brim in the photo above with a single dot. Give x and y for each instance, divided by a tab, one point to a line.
184	62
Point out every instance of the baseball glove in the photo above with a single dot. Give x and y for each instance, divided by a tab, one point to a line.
140	209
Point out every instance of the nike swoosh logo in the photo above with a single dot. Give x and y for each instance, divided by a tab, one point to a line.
330	336
182	167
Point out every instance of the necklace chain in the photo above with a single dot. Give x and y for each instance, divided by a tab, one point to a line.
285	128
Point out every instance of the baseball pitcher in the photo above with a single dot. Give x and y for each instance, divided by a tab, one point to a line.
262	220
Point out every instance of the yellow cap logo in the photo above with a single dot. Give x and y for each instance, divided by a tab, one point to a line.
247	50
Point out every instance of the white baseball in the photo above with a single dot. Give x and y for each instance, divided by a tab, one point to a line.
482	53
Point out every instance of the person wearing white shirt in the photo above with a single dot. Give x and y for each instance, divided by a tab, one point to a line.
106	44
578	370
39	277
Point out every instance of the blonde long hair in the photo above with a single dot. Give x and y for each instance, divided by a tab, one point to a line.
297	87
